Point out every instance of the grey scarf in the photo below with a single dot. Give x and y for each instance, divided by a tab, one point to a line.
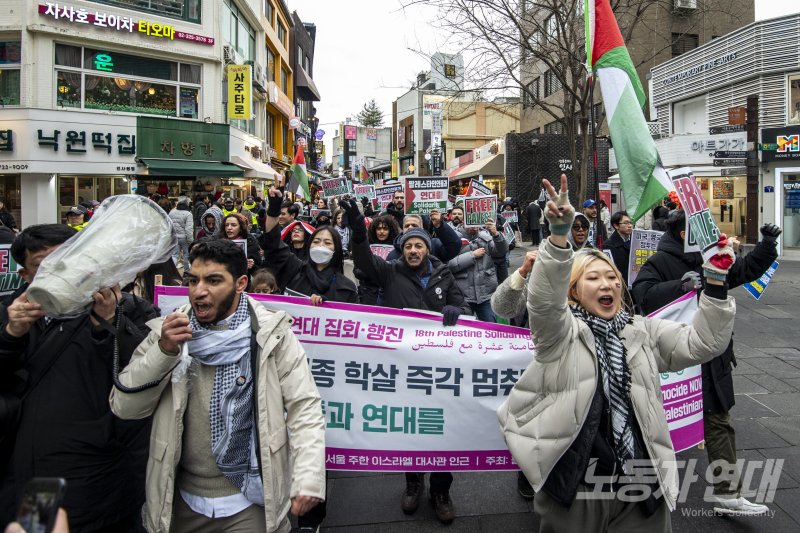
226	345
615	376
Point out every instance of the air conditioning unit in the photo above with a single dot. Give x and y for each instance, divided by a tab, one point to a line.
686	4
259	78
231	56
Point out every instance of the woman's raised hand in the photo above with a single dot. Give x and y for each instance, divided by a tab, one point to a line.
559	211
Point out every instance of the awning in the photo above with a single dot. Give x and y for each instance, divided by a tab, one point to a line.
173	167
490	166
453	172
306	87
253	168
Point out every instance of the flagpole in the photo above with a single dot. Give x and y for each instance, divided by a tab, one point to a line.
593	133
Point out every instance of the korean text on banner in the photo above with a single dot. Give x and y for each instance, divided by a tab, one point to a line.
384	194
388	407
479	209
756	288
426	194
335	187
476	188
240	90
644	244
10	279
698	214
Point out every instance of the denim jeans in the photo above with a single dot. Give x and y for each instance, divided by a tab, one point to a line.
182	249
483	311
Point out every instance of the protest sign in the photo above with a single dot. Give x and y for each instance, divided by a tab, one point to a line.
388	407
10	279
510	216
425	194
508	232
459	201
241	243
384	194
381	250
335	187
479	209
682	391
756	288
476	188
698	214
361	191
644	243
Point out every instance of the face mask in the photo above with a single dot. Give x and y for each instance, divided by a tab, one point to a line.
320	255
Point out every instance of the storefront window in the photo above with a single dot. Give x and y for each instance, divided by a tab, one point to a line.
727	199
73	190
10	59
9	195
791	211
793	113
99	79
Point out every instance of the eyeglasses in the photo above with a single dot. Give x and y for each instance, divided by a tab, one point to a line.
626	223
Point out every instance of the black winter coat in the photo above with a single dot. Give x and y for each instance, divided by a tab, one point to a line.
402	287
445	242
533	213
620	251
66	428
659	283
297	275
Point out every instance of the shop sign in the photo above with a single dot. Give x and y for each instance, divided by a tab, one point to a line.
401	137
737	116
702	67
714	145
780	143
395	156
372	134
161	138
728	162
423	195
119	23
733	171
282	102
730	154
82	143
717	130
319	135
350	133
240	91
565	165
479	209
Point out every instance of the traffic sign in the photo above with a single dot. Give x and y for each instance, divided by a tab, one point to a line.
737	154
728	162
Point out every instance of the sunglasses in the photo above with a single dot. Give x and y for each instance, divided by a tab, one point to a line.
580	227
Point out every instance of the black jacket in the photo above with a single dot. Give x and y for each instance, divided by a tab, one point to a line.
297	275
533	213
8	219
402	287
620	251
7	235
445	242
66	428
659	283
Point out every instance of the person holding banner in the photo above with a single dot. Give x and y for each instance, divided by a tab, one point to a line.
234	228
416	281
230	392
383	230
585	422
322	276
666	276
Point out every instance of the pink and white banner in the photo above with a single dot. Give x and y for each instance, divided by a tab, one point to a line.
403	393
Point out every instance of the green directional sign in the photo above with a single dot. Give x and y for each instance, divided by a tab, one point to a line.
768	146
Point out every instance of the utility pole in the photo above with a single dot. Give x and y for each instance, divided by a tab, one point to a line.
751	232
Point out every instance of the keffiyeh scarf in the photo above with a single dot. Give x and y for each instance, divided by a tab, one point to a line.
226	345
615	376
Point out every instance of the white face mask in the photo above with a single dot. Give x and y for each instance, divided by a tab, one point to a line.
320	255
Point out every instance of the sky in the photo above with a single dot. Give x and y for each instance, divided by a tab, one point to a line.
369	49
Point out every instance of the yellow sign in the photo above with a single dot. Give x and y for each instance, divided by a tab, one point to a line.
395	157
240	91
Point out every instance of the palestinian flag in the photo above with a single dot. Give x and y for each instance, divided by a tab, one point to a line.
365	179
643	180
299	181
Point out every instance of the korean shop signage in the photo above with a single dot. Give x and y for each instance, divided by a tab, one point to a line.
31	141
240	91
780	144
702	67
182	139
101	19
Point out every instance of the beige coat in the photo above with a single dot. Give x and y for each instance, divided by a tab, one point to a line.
549	404
285	386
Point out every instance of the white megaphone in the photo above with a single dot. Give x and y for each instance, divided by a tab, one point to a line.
127	234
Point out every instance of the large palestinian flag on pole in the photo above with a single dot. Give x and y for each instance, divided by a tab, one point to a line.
643	180
299	181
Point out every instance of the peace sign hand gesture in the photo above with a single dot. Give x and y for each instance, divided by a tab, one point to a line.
559	212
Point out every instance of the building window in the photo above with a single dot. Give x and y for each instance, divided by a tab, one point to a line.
10	61
683	42
188	10
554	127
270	131
282	33
597	114
793	114
270	64
551	83
238	32
269	12
450	71
531	95
284	81
246	125
551	27
287	144
89	78
535	40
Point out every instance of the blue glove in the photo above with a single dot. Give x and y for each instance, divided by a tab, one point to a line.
450	315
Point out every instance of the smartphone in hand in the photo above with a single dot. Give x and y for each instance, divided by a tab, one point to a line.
40	502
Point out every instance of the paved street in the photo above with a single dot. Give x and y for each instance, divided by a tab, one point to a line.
767	422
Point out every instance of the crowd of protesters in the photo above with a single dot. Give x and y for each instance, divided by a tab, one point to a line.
214	422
